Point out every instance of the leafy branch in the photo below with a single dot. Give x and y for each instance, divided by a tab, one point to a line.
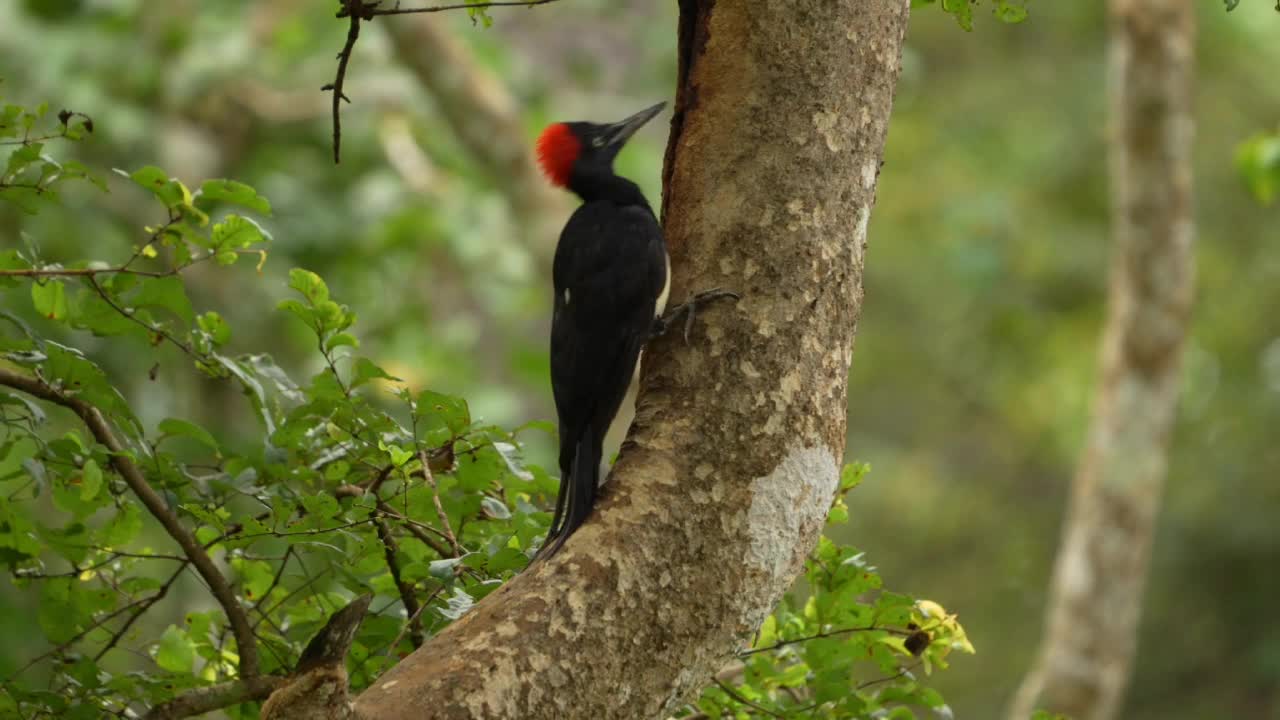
137	482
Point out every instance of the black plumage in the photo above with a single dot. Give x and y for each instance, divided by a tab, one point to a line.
611	277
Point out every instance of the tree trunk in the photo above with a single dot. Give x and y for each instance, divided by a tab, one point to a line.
1091	636
735	454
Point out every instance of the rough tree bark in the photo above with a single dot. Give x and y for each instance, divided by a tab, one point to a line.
735	453
1084	662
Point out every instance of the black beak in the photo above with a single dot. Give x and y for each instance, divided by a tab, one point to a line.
618	133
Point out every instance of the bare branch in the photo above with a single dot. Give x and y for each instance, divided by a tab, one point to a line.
826	634
435	498
357	10
407	597
215	697
344	57
418	530
370	9
740	698
156	505
142	608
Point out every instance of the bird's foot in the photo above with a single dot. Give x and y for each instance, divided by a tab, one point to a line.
688	309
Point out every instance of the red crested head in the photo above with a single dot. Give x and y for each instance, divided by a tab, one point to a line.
558	149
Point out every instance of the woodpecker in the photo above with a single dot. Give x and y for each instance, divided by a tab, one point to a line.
611	275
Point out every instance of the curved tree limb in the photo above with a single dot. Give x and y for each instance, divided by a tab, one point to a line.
206	699
736	449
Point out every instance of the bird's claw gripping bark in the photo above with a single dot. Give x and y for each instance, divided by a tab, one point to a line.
688	309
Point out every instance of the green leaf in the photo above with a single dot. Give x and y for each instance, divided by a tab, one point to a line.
342	340
181	428
852	475
309	284
962	10
1011	12
167	293
399	456
90	480
176	652
304	313
236	232
56	614
321	505
216	328
236	193
1258	160
12	260
123	527
23	157
365	370
90	312
256	576
50	299
14	455
156	181
438	411
69	496
68	368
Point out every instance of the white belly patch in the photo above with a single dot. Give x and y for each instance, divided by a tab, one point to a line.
660	306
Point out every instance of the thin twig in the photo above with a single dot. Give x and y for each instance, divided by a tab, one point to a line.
888	678
156	505
77	638
417	529
358	10
427	603
159	331
291	533
738	696
411	607
77	272
370	11
284	562
145	606
826	634
344	57
435	497
215	697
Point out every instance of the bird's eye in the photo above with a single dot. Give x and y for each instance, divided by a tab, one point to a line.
597	142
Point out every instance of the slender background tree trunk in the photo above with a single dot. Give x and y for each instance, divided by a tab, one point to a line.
735	454
1091	636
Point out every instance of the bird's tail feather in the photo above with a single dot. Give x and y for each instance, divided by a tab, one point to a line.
577	494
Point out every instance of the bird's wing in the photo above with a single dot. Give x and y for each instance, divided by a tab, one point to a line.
610	267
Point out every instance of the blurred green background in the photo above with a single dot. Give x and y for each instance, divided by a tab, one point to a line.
986	278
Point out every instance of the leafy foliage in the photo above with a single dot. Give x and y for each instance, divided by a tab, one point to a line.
840	646
353	484
1258	160
1009	11
357	484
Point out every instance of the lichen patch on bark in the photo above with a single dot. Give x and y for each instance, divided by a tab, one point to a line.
787	505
